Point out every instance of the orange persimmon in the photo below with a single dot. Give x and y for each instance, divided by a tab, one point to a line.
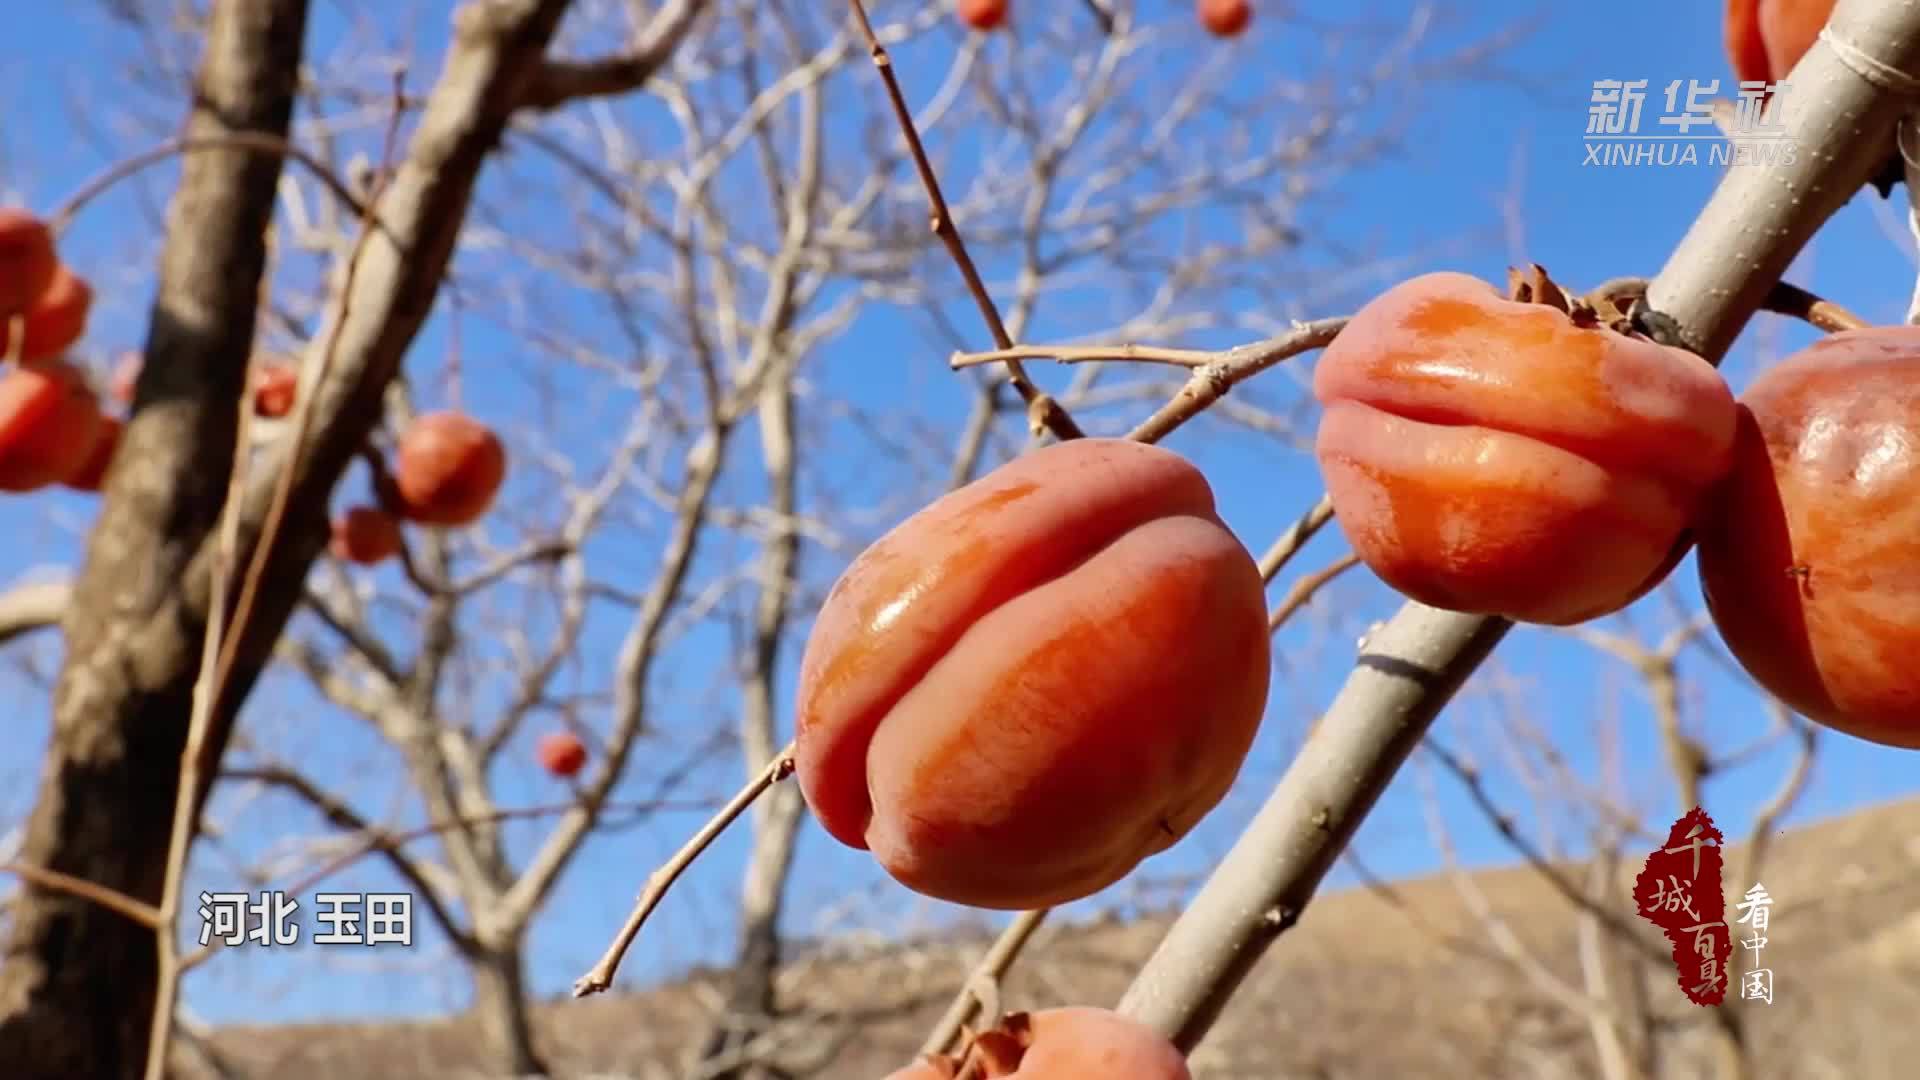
1765	38
1495	456
1039	680
1062	1044
27	260
92	474
366	535
983	14
54	320
49	422
1809	552
449	467
1225	18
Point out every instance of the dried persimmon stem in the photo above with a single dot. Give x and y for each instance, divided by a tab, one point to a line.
601	977
992	967
1783	299
1047	412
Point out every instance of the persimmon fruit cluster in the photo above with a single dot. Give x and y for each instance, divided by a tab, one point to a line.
1517	456
1037	681
41	298
1075	1043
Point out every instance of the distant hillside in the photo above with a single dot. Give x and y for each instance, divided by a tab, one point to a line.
1400	984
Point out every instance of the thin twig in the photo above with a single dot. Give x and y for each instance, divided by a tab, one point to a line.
1081	354
1304	589
111	899
256	141
1290	542
1210	382
992	967
1043	411
601	977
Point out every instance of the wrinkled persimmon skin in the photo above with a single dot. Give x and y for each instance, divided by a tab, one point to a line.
1488	456
1037	681
1076	1043
1765	38
49	423
1810	552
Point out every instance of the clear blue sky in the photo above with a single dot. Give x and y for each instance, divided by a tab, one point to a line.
1470	145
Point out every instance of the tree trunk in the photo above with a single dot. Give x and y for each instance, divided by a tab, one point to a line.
76	981
500	1005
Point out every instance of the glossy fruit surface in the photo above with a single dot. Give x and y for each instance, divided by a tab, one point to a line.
49	421
448	468
562	753
1076	1043
1810	551
1037	681
1225	18
366	535
1497	457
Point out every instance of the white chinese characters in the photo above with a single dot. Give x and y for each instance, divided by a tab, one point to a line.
235	918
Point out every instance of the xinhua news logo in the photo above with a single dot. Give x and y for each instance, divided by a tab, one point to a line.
1679	890
1692	125
272	918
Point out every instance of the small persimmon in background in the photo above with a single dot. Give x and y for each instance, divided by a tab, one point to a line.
1075	1043
94	472
366	535
53	320
448	469
274	389
27	260
983	15
1226	18
49	422
561	753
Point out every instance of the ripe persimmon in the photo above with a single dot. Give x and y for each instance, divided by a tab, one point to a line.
1225	18
274	389
1074	1043
1765	38
1809	552
366	535
1039	680
561	753
92	474
27	260
54	320
1498	457
983	15
49	421
448	468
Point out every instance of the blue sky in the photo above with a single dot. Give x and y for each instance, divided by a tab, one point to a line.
1490	171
